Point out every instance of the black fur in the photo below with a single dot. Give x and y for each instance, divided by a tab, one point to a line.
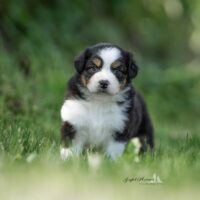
80	61
67	133
132	67
73	88
138	123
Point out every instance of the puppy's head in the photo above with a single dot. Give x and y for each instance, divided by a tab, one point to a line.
105	68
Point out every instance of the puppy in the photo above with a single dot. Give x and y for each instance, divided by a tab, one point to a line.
102	109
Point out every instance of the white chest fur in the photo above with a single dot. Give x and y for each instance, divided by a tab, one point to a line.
95	121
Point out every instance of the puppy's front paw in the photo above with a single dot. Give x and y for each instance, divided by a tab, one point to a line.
115	149
66	153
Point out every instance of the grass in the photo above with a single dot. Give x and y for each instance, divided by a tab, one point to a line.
30	165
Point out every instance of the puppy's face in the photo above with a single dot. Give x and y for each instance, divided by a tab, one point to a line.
105	68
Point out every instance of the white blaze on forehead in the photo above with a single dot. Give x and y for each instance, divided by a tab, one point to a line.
109	55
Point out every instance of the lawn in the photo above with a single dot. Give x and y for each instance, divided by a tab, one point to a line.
30	165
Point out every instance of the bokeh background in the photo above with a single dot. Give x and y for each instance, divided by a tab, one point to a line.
40	38
38	42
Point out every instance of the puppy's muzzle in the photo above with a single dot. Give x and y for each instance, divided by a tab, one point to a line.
103	84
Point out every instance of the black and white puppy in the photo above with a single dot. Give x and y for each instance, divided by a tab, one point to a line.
102	109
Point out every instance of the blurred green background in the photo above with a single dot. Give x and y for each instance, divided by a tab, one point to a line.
38	42
40	38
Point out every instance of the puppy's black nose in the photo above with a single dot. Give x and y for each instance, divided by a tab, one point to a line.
103	84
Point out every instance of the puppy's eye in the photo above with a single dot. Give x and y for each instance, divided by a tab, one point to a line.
91	69
116	65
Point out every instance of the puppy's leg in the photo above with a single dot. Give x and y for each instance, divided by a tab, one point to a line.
146	135
67	135
115	149
145	132
72	112
71	143
150	138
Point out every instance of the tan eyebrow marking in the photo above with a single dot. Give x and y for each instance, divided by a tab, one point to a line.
116	64
97	62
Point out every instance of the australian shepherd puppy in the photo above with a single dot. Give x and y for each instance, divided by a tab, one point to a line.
102	109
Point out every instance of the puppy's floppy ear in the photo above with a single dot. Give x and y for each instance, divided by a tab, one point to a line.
132	66
80	61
